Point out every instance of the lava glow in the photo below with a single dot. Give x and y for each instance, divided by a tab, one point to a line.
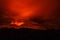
17	23
21	11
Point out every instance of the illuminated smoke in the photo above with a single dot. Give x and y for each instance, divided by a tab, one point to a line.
19	12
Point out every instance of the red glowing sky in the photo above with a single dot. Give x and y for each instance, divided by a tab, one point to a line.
23	10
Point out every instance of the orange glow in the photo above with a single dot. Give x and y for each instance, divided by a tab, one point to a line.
22	10
17	23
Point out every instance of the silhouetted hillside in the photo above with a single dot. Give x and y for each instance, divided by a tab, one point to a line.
28	34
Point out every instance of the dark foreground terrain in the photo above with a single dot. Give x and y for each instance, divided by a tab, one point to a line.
28	34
